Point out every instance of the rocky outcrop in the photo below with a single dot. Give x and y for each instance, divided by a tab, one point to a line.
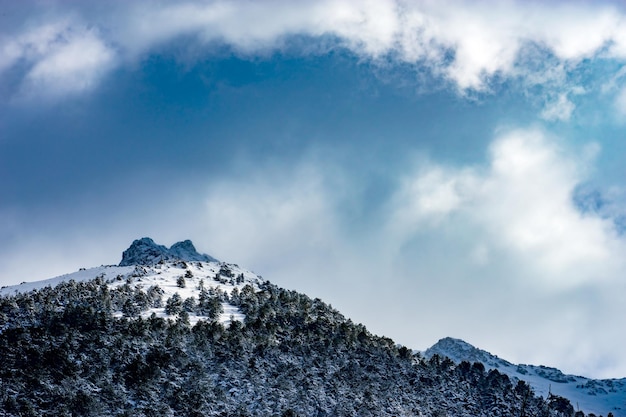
145	251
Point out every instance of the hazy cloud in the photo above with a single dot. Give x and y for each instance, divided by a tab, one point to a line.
292	212
61	58
620	102
559	109
522	203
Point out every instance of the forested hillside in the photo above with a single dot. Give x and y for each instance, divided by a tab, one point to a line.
66	351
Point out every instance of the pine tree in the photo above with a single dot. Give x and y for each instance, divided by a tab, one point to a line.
174	305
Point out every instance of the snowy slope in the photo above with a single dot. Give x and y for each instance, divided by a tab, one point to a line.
146	264
590	395
215	276
107	272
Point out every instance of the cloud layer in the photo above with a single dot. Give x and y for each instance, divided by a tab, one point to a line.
473	46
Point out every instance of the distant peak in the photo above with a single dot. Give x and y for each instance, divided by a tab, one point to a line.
459	350
451	341
145	251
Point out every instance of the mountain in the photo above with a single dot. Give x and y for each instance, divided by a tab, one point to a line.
592	395
170	332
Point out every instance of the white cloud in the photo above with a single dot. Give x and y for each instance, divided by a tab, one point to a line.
521	204
72	67
291	212
560	109
502	249
575	31
470	44
432	194
529	204
62	58
481	39
29	45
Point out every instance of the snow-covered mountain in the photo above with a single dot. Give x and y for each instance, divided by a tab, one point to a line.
131	336
591	395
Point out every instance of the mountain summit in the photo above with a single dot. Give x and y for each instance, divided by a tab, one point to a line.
459	350
145	251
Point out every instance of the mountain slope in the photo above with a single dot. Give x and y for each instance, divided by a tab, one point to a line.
156	339
591	395
186	279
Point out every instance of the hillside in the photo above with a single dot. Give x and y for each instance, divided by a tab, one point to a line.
591	395
178	337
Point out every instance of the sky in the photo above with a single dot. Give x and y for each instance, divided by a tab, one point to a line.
429	168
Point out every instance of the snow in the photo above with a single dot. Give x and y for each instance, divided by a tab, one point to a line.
164	275
230	313
589	395
106	272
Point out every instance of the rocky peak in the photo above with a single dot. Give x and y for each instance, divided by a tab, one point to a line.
145	251
186	251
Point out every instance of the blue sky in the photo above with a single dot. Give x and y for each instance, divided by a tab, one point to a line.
430	168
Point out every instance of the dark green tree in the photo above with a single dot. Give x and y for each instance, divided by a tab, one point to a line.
174	305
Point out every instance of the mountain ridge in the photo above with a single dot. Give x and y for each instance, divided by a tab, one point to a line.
256	349
598	396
